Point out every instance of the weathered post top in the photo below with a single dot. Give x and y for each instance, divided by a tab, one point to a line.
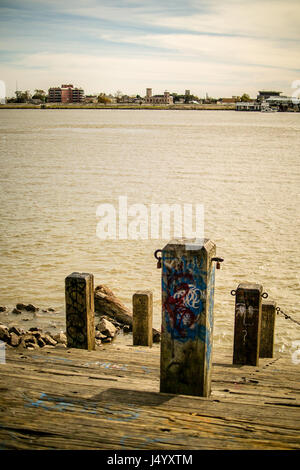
267	333
188	278
247	324
142	313
79	296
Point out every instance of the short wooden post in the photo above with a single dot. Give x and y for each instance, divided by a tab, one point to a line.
247	324
142	302
188	279
79	296
267	333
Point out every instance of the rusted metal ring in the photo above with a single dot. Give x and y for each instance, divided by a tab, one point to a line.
265	295
233	292
155	254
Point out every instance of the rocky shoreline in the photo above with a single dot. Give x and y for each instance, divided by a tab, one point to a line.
111	318
33	338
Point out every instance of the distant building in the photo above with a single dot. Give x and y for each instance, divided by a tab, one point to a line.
166	98
127	99
91	99
65	94
247	106
233	99
264	95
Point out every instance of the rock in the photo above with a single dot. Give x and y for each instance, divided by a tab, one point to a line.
40	342
48	339
31	308
15	330
28	308
60	346
60	338
17	311
20	306
126	329
35	329
37	333
51	309
107	340
14	339
106	328
2	309
117	324
28	340
106	303
99	335
4	334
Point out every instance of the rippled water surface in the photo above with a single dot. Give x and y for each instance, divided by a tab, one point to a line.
57	166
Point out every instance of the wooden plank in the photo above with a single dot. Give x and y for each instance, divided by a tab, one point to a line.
110	399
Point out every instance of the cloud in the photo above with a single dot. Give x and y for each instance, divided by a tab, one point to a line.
133	44
133	75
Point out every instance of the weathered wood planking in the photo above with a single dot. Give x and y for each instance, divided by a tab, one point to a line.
109	399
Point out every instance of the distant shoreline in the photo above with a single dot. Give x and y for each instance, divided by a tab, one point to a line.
200	107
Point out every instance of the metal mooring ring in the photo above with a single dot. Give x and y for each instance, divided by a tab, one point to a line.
233	292
155	254
265	295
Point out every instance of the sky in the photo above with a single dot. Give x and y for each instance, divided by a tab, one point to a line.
222	48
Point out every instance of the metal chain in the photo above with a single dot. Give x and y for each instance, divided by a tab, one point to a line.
287	317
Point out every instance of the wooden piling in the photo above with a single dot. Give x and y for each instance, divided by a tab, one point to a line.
188	278
79	297
267	333
248	308
142	302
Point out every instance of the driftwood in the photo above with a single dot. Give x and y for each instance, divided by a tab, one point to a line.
106	303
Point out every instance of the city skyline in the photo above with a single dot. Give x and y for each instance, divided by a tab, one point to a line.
105	46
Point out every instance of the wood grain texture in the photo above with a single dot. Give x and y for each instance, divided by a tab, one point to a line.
80	312
267	333
247	324
188	277
110	399
142	309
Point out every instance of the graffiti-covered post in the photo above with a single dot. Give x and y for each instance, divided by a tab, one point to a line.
79	296
142	312
188	279
248	300
266	348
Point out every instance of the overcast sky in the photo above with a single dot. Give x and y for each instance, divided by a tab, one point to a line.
218	47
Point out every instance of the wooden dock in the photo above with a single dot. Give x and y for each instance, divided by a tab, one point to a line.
109	399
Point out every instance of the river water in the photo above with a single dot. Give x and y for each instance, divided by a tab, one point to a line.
58	166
